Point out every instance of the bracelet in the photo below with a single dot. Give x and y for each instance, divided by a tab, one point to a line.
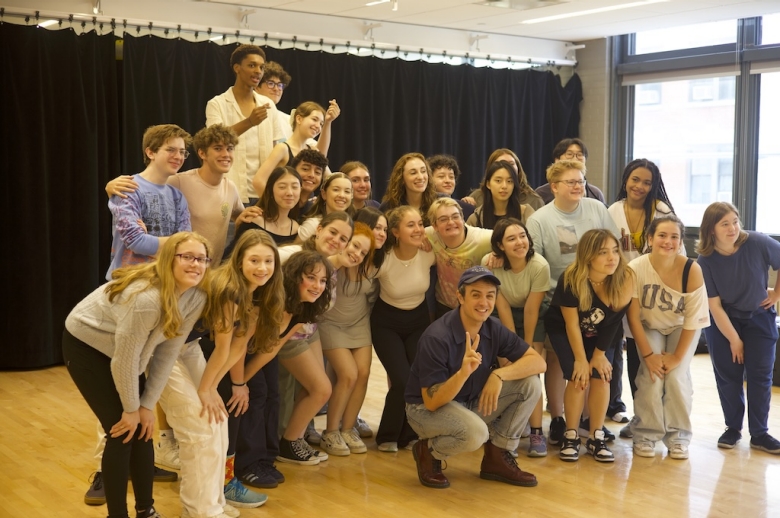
648	355
237	384
497	376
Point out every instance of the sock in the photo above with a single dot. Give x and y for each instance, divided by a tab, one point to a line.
166	436
536	431
230	464
570	434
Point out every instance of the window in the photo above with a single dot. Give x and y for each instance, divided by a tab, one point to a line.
685	37
768	156
770	29
648	94
693	139
712	89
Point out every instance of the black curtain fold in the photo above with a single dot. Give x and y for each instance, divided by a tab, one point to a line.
59	141
73	118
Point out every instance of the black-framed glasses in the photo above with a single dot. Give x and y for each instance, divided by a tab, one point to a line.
572	183
274	84
571	154
192	259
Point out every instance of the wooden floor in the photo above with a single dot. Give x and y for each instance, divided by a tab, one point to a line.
47	439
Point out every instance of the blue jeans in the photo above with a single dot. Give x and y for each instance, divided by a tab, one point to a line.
459	428
759	334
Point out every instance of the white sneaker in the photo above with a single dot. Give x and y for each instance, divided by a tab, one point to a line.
231	511
644	449
186	514
678	451
388	447
166	454
363	429
619	417
333	443
353	441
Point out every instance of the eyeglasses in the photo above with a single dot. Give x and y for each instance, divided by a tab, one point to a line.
191	259
181	152
273	84
571	154
443	220
572	183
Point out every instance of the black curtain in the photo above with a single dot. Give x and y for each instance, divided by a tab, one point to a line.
59	144
389	106
64	136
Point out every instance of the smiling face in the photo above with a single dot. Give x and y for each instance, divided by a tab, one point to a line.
332	239
310	125
411	230
501	185
515	242
380	232
607	259
415	176
250	71
338	195
169	158
357	249
638	185
287	191
726	231
361	184
313	284
444	180
449	222
569	193
187	274
666	240
311	176
477	302
258	265
275	93
218	157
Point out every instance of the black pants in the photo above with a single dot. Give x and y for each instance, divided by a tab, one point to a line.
632	364
91	371
395	333
616	384
258	438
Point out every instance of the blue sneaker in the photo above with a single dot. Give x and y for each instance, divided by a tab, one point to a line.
238	495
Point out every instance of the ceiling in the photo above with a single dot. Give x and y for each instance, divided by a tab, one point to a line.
505	16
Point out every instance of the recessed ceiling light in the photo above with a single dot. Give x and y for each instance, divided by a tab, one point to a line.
377	2
47	23
592	11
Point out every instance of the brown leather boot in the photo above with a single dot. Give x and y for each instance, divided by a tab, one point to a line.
498	464
428	468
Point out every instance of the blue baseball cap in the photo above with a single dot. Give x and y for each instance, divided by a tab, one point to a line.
476	273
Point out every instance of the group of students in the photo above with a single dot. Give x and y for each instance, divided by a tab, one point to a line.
316	271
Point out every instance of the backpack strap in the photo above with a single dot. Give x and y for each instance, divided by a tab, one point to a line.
686	271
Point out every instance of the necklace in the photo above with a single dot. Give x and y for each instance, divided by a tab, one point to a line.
631	226
724	252
597	283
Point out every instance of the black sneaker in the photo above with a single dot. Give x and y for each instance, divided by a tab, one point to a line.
163	475
295	452
585	431
557	429
96	494
570	448
271	470
598	448
765	443
259	478
730	438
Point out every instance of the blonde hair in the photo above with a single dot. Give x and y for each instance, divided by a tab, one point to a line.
304	110
556	169
394	218
156	136
159	274
576	275
441	203
712	215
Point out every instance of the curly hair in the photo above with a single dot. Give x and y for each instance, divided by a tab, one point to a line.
395	195
242	51
159	274
300	264
274	69
312	156
446	162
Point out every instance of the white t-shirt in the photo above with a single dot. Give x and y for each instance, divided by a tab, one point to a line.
402	284
515	287
308	227
663	308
